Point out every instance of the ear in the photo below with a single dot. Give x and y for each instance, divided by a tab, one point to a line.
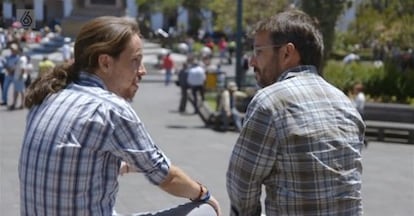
104	62
291	57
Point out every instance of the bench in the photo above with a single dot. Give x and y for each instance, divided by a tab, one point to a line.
389	122
211	117
204	110
205	113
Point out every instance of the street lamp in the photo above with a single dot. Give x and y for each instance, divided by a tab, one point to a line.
239	47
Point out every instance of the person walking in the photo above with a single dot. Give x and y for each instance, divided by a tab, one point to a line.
232	50
302	137
11	64
196	79
168	65
2	77
223	47
45	66
182	82
21	72
358	99
82	132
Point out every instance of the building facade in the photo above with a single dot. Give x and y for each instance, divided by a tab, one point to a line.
62	12
71	14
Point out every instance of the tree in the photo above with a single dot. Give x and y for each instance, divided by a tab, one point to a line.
253	10
327	13
385	21
388	23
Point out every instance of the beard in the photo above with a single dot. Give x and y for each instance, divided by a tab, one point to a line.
257	76
265	77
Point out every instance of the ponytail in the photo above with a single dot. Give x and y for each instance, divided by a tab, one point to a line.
50	83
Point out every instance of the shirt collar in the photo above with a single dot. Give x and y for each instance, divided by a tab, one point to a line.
298	69
88	79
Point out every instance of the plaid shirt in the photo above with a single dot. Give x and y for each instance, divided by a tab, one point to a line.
72	150
302	141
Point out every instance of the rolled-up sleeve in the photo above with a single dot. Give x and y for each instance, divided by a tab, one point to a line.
133	144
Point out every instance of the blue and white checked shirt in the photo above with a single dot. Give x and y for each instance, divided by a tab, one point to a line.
72	150
302	141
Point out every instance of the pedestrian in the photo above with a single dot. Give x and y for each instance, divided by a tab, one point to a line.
301	138
45	66
196	79
232	50
20	76
11	62
222	46
2	75
82	131
358	99
182	82
66	50
28	75
168	66
244	69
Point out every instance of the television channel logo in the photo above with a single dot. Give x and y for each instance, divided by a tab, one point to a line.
26	18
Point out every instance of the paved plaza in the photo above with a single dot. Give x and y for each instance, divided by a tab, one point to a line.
388	177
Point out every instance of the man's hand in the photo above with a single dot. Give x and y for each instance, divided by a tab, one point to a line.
215	204
124	169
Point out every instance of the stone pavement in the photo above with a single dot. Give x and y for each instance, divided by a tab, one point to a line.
388	178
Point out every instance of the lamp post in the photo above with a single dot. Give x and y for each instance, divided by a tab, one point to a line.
239	47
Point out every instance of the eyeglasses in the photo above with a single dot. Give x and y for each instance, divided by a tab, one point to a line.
258	49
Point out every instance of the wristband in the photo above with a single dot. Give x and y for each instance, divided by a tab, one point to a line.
205	198
201	197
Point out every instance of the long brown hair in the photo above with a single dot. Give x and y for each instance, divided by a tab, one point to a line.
102	35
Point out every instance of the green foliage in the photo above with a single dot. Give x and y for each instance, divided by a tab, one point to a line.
327	13
169	9
197	47
345	43
385	21
384	84
253	10
159	5
397	84
344	76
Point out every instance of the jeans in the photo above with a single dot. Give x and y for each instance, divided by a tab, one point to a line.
195	90
168	76
183	99
235	116
6	85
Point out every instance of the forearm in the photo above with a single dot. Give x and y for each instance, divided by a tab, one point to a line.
180	184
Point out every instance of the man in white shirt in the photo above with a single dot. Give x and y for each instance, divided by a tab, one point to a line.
19	82
66	50
196	79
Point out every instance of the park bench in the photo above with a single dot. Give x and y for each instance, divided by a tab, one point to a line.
206	113
385	122
210	116
389	122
